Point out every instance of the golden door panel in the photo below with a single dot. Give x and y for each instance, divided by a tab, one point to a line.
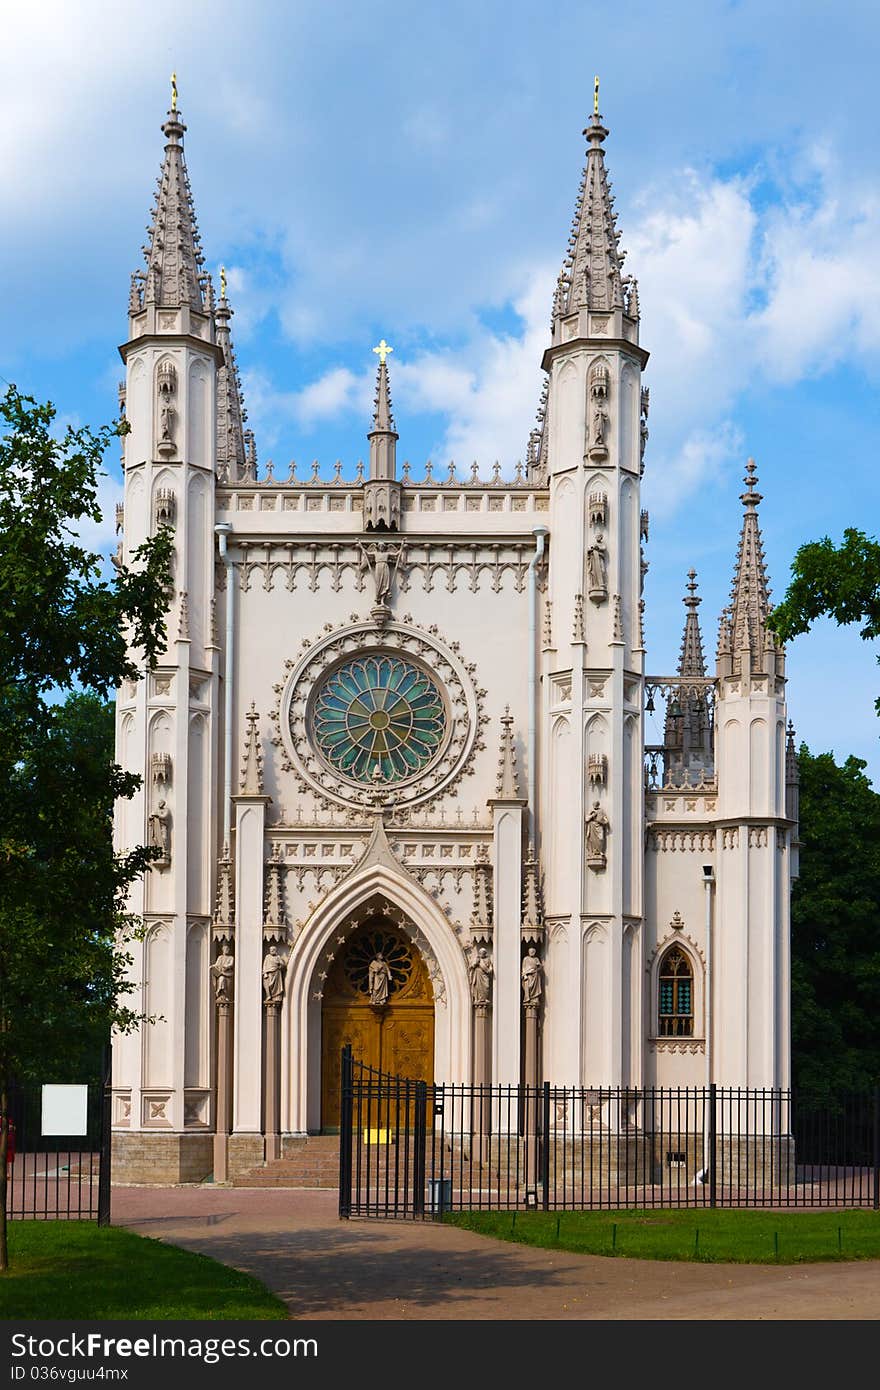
397	1037
408	1044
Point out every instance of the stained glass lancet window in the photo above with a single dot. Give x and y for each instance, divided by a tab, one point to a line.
676	1013
379	712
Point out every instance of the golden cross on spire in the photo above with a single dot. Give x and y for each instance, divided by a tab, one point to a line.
383	350
174	91
595	96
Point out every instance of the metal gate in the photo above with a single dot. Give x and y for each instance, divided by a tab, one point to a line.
59	1177
413	1149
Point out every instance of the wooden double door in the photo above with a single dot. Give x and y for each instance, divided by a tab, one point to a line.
396	1037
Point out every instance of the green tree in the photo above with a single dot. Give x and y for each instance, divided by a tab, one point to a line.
841	582
63	627
835	929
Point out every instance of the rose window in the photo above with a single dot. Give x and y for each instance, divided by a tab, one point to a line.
379	718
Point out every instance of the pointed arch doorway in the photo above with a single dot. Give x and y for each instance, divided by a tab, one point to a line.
395	1037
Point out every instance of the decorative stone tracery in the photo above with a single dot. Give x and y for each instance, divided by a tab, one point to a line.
293	716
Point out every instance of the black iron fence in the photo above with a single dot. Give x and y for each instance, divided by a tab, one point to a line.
58	1177
413	1149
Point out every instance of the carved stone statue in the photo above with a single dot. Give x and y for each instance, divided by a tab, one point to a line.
223	971
379	979
596	827
384	561
159	832
600	419
597	557
532	977
166	424
273	976
480	973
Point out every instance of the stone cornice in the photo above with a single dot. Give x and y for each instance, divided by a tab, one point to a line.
639	354
169	340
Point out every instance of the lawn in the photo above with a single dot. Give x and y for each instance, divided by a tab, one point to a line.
740	1237
76	1269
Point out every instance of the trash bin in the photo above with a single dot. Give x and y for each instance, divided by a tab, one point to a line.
439	1194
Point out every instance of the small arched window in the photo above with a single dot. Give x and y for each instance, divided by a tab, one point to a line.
676	996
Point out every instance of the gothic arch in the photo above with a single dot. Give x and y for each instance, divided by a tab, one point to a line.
689	948
301	1015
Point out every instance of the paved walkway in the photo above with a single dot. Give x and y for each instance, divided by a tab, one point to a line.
326	1268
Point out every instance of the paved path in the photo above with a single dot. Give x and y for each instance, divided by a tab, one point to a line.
326	1268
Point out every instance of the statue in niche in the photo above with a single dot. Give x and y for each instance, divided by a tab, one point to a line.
379	980
159	833
532	977
600	420
480	975
223	971
598	411
384	561
596	828
273	976
597	557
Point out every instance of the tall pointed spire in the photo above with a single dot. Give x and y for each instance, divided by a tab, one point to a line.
507	785
252	762
691	661
687	734
749	595
231	414
591	272
383	436
173	277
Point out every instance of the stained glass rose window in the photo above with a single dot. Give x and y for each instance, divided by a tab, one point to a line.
378	712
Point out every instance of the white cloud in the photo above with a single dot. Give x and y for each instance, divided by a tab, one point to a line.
101	535
822	291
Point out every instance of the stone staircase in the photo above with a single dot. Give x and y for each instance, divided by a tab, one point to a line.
309	1162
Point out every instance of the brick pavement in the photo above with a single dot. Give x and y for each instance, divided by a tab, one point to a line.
327	1269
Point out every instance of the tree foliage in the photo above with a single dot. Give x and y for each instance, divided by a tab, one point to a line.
841	582
63	626
835	934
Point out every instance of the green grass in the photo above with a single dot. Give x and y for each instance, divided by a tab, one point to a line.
739	1237
76	1269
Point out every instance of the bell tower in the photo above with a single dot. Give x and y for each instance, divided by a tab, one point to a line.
590	827
167	723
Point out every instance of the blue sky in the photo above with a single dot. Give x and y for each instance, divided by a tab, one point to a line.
410	170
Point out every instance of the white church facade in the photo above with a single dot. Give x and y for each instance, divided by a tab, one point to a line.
394	755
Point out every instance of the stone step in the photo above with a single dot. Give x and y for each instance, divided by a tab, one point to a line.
312	1161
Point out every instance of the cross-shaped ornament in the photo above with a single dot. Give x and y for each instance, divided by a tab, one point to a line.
383	350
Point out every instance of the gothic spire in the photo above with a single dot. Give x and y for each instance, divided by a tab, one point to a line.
231	414
383	436
749	594
252	762
591	272
507	786
691	661
173	255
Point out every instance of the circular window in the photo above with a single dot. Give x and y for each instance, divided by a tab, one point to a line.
379	716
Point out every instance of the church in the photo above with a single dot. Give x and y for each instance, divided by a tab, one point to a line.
393	758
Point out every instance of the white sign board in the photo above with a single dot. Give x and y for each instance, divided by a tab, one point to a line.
65	1110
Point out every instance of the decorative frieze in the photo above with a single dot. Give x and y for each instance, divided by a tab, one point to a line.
670	841
316	565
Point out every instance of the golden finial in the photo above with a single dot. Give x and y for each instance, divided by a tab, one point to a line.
383	350
223	282
595	96
174	91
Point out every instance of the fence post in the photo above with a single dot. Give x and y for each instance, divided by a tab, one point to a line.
713	1135
876	1147
545	1150
419	1148
346	1103
106	1139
